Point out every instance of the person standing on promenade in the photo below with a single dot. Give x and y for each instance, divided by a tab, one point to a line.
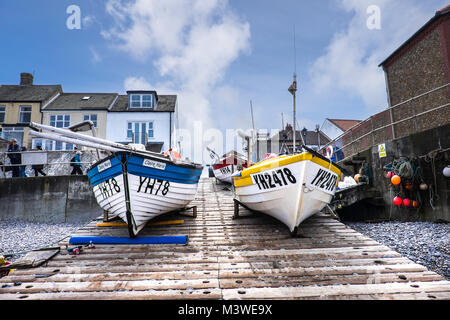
38	167
14	157
76	164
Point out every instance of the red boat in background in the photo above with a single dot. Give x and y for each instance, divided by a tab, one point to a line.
226	165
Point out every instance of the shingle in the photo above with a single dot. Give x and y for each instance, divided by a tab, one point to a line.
166	103
32	93
75	101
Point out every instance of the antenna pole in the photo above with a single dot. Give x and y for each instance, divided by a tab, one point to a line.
294	133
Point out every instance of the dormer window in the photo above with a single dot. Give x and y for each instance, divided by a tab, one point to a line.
142	100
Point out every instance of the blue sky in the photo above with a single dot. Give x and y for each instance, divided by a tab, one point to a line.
217	55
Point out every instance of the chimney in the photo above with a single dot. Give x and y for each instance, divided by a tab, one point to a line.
26	79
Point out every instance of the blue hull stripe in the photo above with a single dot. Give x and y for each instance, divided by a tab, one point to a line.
172	173
96	177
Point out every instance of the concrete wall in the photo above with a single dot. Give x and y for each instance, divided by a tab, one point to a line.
54	199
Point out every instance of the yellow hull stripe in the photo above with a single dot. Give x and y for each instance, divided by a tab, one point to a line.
246	180
123	224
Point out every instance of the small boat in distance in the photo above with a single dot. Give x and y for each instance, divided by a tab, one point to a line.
290	188
225	166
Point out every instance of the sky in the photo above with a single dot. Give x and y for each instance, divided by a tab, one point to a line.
216	55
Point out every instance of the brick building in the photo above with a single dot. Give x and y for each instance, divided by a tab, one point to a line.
418	66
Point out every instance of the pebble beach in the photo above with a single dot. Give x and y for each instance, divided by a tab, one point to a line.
18	238
424	243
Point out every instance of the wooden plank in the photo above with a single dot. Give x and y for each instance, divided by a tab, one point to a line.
325	292
33	259
253	257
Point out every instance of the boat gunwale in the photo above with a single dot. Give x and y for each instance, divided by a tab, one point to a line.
167	161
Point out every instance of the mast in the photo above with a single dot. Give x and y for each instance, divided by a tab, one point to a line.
293	90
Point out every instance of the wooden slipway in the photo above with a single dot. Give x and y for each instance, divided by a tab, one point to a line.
252	257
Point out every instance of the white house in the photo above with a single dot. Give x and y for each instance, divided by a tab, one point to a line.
143	117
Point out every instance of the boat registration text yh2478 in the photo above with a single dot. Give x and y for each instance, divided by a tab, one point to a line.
273	179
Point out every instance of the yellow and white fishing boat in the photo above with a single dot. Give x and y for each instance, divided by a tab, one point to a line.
290	188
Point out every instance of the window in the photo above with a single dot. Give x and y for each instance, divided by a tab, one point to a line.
140	132
150	129
135	101
92	117
60	121
13	132
25	114
2	114
141	101
146	101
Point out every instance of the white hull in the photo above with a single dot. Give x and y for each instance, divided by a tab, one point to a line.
290	203
224	174
145	204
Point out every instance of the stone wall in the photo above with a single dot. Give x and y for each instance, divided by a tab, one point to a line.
415	146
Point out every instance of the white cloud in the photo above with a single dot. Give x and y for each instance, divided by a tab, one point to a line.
190	42
95	55
353	55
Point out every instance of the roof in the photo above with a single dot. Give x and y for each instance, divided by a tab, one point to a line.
343	124
437	16
75	101
311	137
166	103
31	93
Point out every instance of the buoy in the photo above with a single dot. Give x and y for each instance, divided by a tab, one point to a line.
415	204
406	202
423	186
397	201
446	171
389	175
357	177
396	180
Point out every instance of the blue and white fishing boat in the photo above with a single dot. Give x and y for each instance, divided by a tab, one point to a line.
132	183
138	187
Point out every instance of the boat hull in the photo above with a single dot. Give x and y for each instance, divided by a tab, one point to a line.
138	188
290	188
224	169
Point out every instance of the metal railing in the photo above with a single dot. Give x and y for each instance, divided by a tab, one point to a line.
347	150
53	162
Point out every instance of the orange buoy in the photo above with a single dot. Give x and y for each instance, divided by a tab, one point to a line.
396	180
357	177
415	204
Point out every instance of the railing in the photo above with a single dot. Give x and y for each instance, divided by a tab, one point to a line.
54	162
405	118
